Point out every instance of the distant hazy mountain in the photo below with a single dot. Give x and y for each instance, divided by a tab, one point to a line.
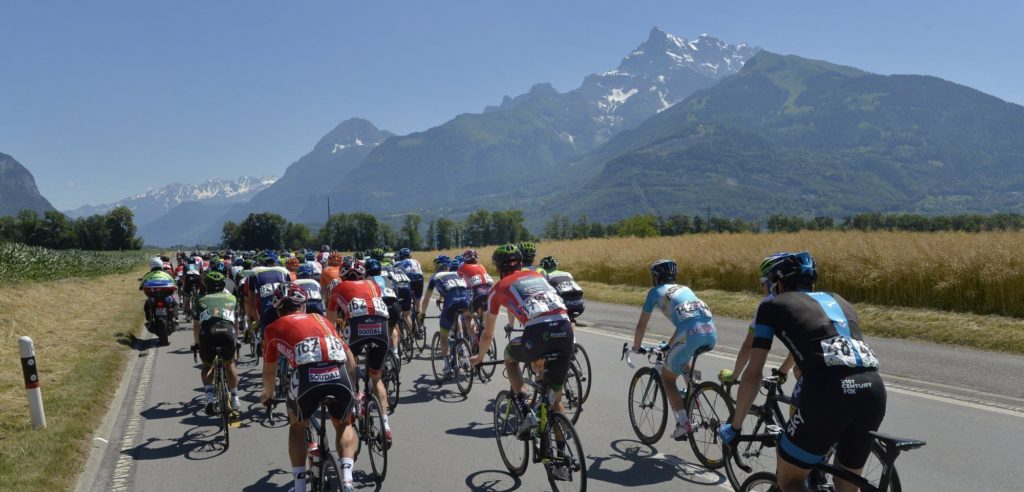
155	202
18	189
798	136
524	142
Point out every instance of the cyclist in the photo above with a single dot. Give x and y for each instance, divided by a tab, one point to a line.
213	326
529	251
547	328
479	282
403	288
331	273
306	278
390	296
695	329
454	295
842	396
259	295
315	265
322	365
292	264
567	288
189	285
361	303
413	270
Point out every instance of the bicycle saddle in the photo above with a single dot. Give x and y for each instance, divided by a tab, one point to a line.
899	443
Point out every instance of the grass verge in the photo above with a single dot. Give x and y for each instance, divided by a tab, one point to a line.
985	332
73	323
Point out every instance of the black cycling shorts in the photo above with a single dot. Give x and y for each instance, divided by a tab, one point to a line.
543	339
369	332
404	292
311	383
573	304
838	407
417	287
394	311
479	302
214	334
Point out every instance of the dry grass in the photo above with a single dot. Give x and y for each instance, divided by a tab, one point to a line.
973	273
73	323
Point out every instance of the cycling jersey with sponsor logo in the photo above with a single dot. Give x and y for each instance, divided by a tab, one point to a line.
304	339
529	297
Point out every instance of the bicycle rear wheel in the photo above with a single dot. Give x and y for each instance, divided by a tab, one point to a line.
507	419
390	376
572	399
487	372
330	474
376	439
566	467
419	334
406	342
758	455
437	358
582	360
223	401
648	405
874	468
709	407
463	371
760	482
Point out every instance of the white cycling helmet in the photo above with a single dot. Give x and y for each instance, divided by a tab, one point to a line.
156	262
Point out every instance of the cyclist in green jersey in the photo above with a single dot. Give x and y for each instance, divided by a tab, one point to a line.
214	327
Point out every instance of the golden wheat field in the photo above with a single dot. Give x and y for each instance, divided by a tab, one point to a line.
979	272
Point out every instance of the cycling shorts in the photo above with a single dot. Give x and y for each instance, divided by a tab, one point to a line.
311	383
682	353
451	309
369	332
479	302
404	296
394	310
214	334
417	287
838	406
553	337
573	303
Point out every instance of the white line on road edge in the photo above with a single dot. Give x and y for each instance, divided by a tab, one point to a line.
121	479
890	386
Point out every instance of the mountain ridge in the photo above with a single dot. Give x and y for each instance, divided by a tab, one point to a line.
18	190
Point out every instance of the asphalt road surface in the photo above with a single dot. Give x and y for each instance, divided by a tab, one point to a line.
966	404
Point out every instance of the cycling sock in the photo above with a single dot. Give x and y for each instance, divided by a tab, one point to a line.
681	416
346	469
299	474
234	397
209	393
387	425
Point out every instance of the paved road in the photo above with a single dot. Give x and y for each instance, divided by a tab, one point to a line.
160	439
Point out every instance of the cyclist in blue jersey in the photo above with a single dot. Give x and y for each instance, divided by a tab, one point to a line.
306	277
259	296
842	397
455	295
412	269
374	271
695	328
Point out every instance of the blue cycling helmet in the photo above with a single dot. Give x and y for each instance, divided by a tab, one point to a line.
455	264
442	260
220	267
305	271
793	268
310	256
372	267
403	254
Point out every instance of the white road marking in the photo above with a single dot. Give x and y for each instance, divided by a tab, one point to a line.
101	439
938	396
133	429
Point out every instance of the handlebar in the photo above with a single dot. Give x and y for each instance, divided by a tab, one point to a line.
642	350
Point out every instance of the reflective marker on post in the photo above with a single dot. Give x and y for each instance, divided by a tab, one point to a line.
32	391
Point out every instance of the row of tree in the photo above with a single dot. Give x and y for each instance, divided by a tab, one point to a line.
644	225
114	230
900	222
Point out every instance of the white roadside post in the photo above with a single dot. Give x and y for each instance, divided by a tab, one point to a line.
32	391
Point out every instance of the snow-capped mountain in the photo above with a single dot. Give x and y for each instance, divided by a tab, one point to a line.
153	203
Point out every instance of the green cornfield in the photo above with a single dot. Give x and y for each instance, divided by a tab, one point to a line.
981	273
20	263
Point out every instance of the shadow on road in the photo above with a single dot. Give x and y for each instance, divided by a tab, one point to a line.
474	429
198	443
633	463
264	483
425	389
493	481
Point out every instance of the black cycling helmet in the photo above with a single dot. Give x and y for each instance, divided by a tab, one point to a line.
290	297
353	270
529	251
664	271
214	281
549	263
373	267
793	270
507	258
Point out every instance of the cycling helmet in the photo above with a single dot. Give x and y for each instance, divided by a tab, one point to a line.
292	263
305	271
442	261
529	251
334	259
377	254
664	271
310	256
165	259
455	264
793	269
219	266
325	248
507	258
246	264
766	265
214	281
268	258
156	262
290	297
403	254
373	267
353	270
549	263
470	256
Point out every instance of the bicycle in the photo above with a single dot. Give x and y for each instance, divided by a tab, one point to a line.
222	397
889	448
581	360
390	376
572	391
484	372
406	341
708	406
323	466
419	331
748	457
554	440
459	353
369	425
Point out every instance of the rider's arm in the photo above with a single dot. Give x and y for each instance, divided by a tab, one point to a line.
743	355
750	381
426	300
351	365
269	373
641	328
788	364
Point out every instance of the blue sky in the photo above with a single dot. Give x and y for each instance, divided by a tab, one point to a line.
105	99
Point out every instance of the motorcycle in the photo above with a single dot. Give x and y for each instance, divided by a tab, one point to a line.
160	307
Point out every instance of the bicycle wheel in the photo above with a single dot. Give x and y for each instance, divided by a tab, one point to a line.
391	377
648	405
572	399
581	359
376	439
463	371
507	418
420	335
406	342
223	401
760	456
709	407
437	358
874	468
487	372
760	482
330	474
565	466
281	387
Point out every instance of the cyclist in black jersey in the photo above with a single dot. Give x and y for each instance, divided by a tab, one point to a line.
842	396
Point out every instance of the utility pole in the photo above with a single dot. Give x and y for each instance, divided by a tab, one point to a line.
328	208
709	218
